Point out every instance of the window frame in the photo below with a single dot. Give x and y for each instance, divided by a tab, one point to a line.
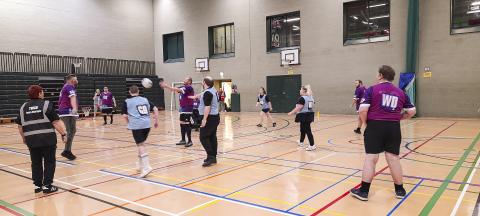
165	47
269	34
369	39
465	30
211	41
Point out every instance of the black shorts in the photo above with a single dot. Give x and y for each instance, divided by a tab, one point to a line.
185	117
266	110
140	135
107	110
382	136
305	117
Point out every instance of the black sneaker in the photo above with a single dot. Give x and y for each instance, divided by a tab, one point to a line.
259	125
104	123
400	194
69	155
274	124
38	189
50	189
363	196
190	143
182	142
209	162
357	131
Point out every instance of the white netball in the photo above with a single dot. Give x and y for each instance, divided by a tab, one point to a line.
147	83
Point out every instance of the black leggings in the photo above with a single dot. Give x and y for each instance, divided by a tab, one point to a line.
305	129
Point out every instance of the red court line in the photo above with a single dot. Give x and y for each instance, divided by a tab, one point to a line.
380	171
10	211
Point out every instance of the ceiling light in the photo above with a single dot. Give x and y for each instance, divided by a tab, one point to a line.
377	5
293	19
355	18
476	3
379	17
475	11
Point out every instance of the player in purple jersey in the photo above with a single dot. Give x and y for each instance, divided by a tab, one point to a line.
186	108
107	103
68	112
381	112
357	98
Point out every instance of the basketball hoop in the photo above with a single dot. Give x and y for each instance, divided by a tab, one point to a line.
86	111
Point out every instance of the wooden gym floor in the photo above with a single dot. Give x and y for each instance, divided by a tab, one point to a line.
260	171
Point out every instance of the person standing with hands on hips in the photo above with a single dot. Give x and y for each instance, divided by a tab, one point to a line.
68	112
208	109
37	122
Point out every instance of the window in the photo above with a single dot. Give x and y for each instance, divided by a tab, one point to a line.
222	40
173	47
283	31
465	16
366	21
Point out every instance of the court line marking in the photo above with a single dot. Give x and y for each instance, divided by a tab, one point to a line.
464	190
103	194
14	209
405	198
472	168
431	203
380	171
175	187
25	154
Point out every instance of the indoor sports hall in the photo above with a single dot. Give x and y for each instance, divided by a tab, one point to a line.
239	107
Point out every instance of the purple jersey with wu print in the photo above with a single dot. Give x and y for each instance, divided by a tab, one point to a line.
64	105
386	102
107	99
186	104
359	94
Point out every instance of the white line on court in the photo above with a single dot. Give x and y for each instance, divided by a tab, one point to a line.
100	193
26	155
460	198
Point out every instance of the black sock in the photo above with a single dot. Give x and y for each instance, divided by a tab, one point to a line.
398	187
188	129
365	187
111	119
183	131
105	119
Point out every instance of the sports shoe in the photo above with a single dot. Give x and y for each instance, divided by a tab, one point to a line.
400	194
38	189
311	147
363	196
145	171
209	162
49	189
274	124
182	142
69	155
259	125
190	143
300	144
357	131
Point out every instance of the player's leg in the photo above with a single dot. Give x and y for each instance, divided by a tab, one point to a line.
308	131
303	132
262	115
50	161
269	116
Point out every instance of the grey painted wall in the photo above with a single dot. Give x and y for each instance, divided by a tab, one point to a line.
120	29
326	64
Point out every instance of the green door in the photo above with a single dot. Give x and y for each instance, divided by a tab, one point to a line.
283	91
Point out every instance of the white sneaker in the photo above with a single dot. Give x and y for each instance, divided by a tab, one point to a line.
311	148
300	144
145	171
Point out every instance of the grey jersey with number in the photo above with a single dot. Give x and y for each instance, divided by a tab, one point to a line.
138	111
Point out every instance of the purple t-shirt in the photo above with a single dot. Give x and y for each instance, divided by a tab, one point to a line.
107	99
186	104
386	102
359	94
64	105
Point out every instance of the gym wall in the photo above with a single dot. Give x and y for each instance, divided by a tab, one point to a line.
326	63
119	29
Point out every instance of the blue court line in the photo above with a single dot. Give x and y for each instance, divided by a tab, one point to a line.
325	189
202	193
17	152
404	198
